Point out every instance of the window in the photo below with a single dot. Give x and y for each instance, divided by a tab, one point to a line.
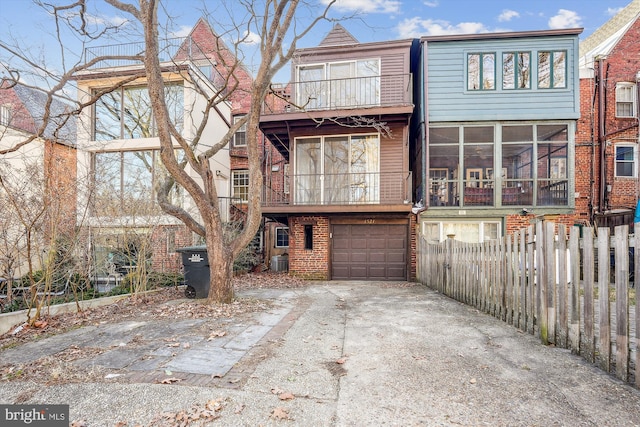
240	137
5	115
124	183
465	231
308	236
552	69
337	170
481	71
282	237
626	161
345	84
126	113
240	182
625	100
516	73
533	160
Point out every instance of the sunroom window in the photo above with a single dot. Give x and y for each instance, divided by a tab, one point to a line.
499	165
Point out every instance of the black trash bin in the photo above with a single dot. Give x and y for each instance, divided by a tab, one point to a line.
196	271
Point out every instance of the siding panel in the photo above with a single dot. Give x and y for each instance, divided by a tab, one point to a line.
449	100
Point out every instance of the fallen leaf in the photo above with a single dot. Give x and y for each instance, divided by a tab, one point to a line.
186	345
280	413
40	324
286	396
472	380
175	344
170	380
238	409
277	390
341	360
216	334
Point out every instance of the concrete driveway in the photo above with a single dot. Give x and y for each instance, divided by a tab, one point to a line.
334	354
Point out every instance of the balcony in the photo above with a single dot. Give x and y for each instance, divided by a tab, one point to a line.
341	94
348	192
174	51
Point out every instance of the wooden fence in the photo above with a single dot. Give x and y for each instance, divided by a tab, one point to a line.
572	291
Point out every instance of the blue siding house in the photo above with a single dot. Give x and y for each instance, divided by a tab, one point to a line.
495	130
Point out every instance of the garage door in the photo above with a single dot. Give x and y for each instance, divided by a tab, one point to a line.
369	252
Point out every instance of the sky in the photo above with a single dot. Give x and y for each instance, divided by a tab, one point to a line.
27	26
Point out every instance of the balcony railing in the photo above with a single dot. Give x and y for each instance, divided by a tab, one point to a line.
389	188
348	93
170	50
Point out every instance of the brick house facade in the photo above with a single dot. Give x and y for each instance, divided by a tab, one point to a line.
607	136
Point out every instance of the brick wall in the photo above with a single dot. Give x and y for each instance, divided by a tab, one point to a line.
620	65
309	264
165	240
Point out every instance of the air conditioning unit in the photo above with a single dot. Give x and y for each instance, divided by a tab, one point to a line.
280	263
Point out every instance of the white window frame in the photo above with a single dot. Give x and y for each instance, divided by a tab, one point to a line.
242	130
5	115
236	175
275	235
626	94
634	147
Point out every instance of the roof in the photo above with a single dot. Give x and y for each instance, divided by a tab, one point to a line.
61	126
606	37
338	36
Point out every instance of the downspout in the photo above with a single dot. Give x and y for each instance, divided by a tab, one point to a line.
424	131
601	133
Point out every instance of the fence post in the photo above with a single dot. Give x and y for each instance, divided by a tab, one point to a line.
551	284
603	298
541	278
574	293
588	277
622	302
448	258
562	320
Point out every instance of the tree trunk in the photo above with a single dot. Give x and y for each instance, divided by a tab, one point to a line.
220	266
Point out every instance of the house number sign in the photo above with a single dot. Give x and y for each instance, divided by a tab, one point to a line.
370	221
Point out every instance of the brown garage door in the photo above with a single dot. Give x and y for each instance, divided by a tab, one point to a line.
369	251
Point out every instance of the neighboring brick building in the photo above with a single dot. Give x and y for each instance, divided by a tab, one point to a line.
40	175
607	184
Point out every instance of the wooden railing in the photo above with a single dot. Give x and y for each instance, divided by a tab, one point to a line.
570	291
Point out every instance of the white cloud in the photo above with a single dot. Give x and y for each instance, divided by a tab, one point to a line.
431	3
417	27
366	6
251	38
507	15
565	19
611	11
183	31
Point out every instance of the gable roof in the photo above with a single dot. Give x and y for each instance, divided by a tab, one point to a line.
605	38
338	36
28	109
